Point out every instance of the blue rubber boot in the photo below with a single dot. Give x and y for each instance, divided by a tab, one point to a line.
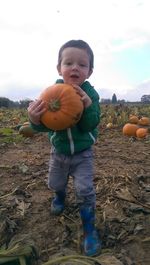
58	203
91	242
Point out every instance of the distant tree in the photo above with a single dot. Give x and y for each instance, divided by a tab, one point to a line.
114	99
145	98
121	101
24	103
105	100
5	102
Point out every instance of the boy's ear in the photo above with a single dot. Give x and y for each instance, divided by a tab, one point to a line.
59	69
90	72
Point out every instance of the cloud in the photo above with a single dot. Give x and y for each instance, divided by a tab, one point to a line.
33	30
138	91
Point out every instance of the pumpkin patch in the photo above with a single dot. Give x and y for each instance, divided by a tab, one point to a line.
122	190
63	107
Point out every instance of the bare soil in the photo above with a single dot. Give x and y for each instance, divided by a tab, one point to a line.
122	182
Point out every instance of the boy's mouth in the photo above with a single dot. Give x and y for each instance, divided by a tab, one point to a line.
74	76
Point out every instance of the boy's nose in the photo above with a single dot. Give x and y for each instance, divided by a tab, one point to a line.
74	66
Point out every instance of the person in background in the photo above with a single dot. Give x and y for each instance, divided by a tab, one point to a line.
72	149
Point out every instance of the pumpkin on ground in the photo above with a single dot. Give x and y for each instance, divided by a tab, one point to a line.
133	119
145	121
26	130
130	129
63	107
141	132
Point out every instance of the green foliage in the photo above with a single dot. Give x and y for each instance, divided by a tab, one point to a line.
6	131
8	135
10	119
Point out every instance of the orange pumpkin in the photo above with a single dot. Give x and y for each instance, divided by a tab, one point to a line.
133	119
142	132
144	121
63	107
130	129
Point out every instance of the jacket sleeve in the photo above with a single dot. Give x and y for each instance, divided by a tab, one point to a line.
91	116
40	127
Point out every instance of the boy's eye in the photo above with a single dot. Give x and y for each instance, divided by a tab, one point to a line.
68	63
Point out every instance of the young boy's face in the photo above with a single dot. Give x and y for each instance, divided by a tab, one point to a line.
75	66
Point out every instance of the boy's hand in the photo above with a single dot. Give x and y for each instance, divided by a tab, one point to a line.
35	110
84	97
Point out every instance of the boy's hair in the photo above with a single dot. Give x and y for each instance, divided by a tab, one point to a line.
77	44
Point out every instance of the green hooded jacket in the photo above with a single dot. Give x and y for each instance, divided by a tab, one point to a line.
82	135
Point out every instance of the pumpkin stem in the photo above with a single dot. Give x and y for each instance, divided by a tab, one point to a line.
54	105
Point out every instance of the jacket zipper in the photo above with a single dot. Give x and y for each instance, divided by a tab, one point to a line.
93	138
70	140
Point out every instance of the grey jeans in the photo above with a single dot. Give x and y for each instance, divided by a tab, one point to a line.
80	167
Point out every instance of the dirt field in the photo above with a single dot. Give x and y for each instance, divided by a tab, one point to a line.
122	182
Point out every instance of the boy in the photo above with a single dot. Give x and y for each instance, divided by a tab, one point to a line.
71	149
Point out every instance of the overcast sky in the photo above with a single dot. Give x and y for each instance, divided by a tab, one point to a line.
32	31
